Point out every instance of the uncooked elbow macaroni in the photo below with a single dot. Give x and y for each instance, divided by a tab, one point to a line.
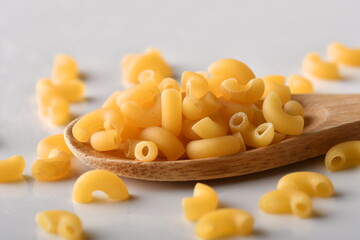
215	125
47	144
224	222
293	107
343	156
99	180
105	140
195	108
150	75
339	53
62	223
11	169
65	69
171	111
276	83
233	90
204	200
300	85
314	65
143	93
169	83
146	151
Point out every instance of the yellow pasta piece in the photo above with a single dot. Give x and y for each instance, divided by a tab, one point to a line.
231	68
110	102
278	137
314	184
293	107
276	83
339	53
171	111
230	108
194	84
215	125
258	116
248	93
165	140
241	141
143	93
105	140
203	201
169	83
99	180
47	144
58	111
213	147
100	119
259	136
54	167
300	85
215	83
314	65
286	201
129	148
62	223
195	109
224	222
150	75
343	155
283	122
65	69
187	130
146	151
11	169
133	64
130	131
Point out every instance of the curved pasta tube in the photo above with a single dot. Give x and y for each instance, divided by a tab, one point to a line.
213	147
141	116
278	137
99	180
58	111
343	155
169	83
259	136
150	75
286	201
105	140
100	119
133	64
142	93
194	84
339	53
54	167
64	69
300	85
195	109
129	147
233	90
11	169
165	140
276	83
241	141
171	111
229	108
214	84
283	122
258	116
231	68
314	65
146	151
215	125
294	108
110	102
203	201
224	222
63	223
187	130
47	144
314	184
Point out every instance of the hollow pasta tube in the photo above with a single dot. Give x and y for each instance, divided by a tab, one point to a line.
150	75
339	53
194	84
276	83
343	156
65	69
195	109
248	93
294	108
146	151
171	111
314	65
169	83
47	144
142	93
300	85
105	140
229	108
215	125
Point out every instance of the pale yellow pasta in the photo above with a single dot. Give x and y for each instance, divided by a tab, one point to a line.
64	69
241	141
215	125
110	102
300	85
339	53
165	140
286	201
278	137
105	140
213	147
187	130
11	169
314	65
141	116
231	68
146	151
283	122
130	131
343	155
169	83
253	136
258	116
58	111
312	183
99	180
100	119
230	108
194	84
171	111
62	223
293	107
214	84
195	109
47	144
276	83
204	200
150	75
129	148
225	222
233	90
142	93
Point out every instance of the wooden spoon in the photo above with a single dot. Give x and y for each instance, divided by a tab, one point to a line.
329	120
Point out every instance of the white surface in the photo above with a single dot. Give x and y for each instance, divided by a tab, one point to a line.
270	36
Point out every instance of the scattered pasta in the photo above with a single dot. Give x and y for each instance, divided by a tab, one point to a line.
343	156
339	53
314	65
11	169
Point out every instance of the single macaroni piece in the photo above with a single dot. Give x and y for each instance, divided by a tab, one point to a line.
169	83
62	223
215	125
204	201
105	140
230	108
300	85
165	140
47	144
276	83
314	65
314	184
65	69
58	111
150	75
294	108
278	137
100	119
257	117
11	169
110	102
146	151
343	155
241	141
339	53
259	136
195	109
248	93
54	167
187	130
231	68
129	147
194	84
286	201
99	180
171	111
133	64
283	122
213	147
215	83
142	93
224	222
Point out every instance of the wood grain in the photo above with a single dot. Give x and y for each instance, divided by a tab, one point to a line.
329	120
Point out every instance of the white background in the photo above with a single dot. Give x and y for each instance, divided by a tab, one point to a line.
272	37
